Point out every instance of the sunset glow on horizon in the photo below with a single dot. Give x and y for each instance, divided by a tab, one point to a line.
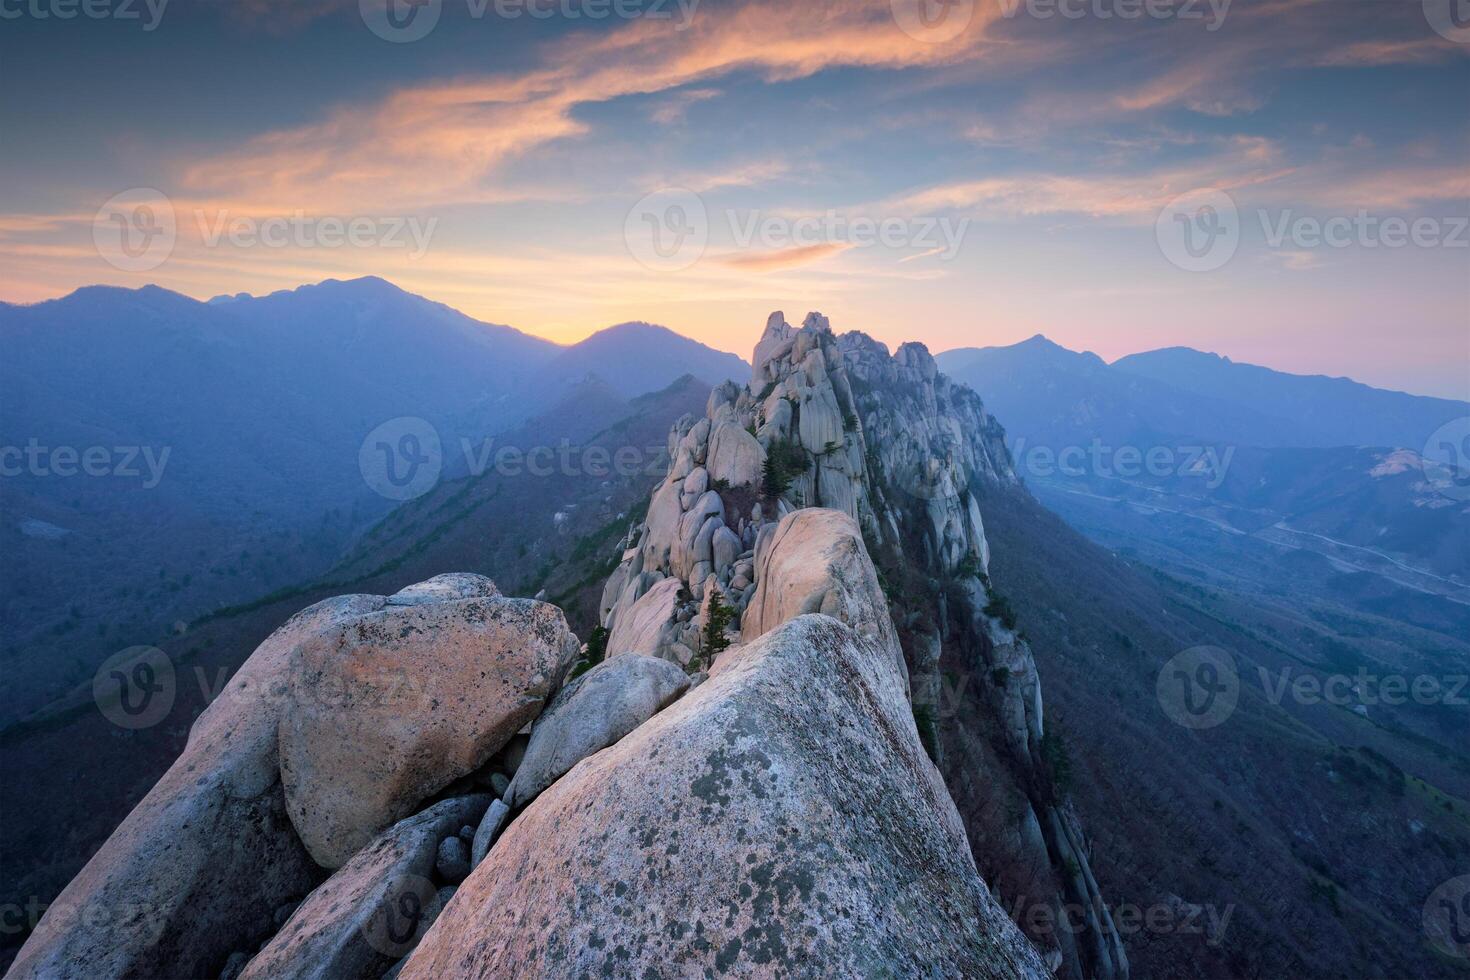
961	182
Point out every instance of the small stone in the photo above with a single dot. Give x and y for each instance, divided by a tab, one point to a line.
467	833
489	829
453	863
499	782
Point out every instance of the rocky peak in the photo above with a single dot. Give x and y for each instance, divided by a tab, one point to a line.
840	423
759	778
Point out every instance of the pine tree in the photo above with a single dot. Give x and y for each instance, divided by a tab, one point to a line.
718	620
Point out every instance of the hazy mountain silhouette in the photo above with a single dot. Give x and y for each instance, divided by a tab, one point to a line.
225	438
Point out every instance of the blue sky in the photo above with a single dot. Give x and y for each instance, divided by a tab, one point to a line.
1028	163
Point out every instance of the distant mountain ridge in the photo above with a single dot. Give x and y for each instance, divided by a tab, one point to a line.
1290	460
638	357
1343	411
255	410
1045	392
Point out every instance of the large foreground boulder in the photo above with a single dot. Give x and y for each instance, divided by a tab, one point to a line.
814	561
781	819
392	706
369	914
200	865
591	713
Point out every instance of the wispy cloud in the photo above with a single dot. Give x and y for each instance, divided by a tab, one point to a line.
445	143
676	107
784	258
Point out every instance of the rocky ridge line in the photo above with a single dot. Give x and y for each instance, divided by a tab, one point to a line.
770	809
893	443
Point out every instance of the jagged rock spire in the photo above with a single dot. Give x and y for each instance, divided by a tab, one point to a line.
840	423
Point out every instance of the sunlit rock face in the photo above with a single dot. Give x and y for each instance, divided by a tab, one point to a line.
814	744
389	707
781	819
884	438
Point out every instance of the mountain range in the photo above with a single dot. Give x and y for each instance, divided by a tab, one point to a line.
1310	833
1048	394
229	443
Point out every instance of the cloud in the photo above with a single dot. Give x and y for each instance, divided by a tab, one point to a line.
448	142
940	250
741	175
784	258
1132	196
1297	260
677	106
1403	52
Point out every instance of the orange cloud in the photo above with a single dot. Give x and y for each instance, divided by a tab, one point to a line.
782	258
1407	52
446	143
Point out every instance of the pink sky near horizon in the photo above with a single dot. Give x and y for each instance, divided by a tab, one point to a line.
531	146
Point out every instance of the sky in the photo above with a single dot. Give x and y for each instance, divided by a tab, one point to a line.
1286	182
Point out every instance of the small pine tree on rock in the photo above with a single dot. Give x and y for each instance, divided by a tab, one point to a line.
717	621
